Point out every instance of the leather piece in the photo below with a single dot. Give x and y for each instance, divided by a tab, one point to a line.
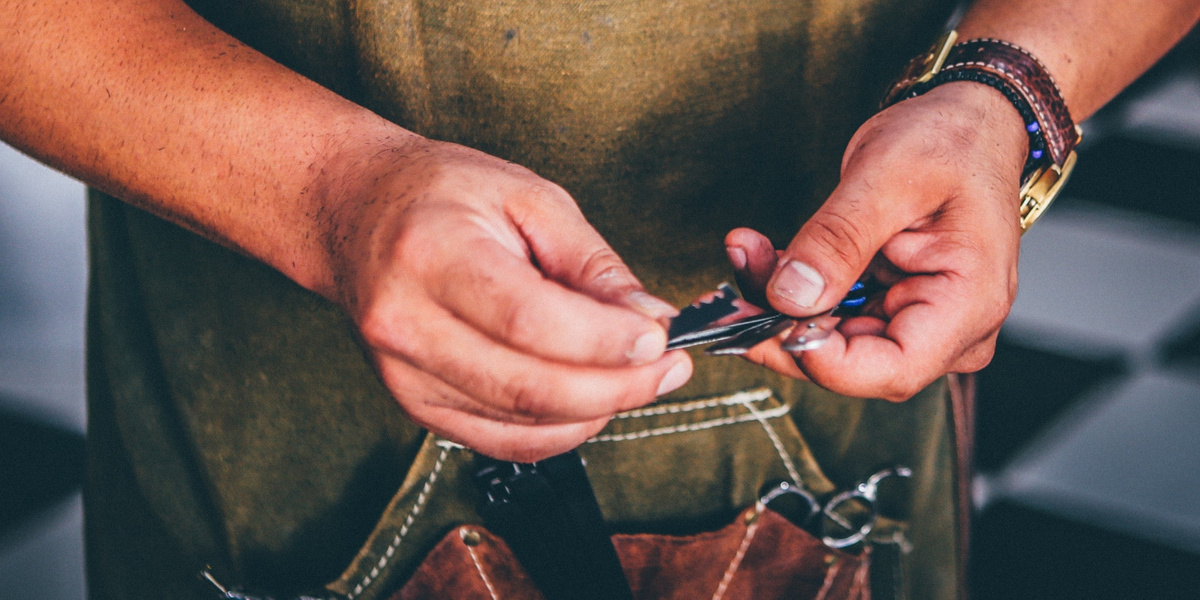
766	558
455	569
962	407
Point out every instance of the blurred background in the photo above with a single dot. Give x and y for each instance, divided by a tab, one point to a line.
1088	471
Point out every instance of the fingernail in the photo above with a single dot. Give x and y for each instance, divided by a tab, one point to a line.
675	378
737	257
799	283
652	307
647	348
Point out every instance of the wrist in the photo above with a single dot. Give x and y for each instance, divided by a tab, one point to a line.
990	116
1022	79
358	155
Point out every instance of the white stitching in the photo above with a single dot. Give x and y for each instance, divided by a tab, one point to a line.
479	569
637	435
775	441
408	521
737	557
759	395
1018	49
449	445
740	398
830	575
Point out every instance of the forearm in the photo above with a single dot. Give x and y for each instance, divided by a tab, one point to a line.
147	101
1093	49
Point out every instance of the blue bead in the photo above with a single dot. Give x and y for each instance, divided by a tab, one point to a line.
1032	127
1036	154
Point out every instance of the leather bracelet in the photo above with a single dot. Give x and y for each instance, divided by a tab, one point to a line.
1025	82
1037	143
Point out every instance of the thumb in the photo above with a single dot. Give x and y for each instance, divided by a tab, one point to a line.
832	250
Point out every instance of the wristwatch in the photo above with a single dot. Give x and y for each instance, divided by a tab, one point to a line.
1028	86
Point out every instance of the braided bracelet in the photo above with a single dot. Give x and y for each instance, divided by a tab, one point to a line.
1026	84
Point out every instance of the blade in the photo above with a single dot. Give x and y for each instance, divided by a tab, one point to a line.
697	316
739	344
717	333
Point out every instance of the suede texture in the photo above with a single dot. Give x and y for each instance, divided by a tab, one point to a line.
233	419
760	555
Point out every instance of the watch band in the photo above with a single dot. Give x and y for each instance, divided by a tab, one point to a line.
1028	86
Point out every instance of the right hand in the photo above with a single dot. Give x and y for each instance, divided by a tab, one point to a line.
494	313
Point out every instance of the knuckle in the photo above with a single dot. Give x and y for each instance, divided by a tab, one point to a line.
840	239
902	387
976	359
538	196
603	264
375	325
523	397
517	324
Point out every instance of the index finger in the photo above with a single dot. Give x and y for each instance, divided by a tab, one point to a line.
505	297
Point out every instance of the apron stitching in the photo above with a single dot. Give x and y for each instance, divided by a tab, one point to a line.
736	563
670	409
408	521
479	569
778	443
830	575
637	435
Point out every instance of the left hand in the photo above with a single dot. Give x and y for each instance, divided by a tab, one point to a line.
927	205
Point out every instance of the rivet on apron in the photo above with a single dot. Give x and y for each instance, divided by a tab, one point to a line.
469	536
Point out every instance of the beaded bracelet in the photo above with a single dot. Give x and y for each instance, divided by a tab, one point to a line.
1037	143
1027	85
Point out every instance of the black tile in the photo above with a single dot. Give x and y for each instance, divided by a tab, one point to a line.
1023	390
1139	176
1182	347
1022	553
39	465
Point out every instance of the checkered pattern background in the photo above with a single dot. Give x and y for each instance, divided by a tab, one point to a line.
1087	485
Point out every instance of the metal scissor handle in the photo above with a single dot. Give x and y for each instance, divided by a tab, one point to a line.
846	519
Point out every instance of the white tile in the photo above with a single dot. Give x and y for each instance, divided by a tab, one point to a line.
1095	281
47	385
43	255
1127	461
1168	113
43	281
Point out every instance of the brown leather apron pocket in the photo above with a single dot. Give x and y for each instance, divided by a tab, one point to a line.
760	555
680	486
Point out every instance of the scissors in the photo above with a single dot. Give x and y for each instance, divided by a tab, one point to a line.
843	520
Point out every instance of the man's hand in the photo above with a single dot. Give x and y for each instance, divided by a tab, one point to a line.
927	205
494	313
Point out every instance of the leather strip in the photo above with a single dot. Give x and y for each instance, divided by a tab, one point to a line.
962	407
1030	79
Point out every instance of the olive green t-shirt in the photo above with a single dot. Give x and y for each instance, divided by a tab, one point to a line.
233	419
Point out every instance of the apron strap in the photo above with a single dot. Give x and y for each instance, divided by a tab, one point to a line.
962	401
